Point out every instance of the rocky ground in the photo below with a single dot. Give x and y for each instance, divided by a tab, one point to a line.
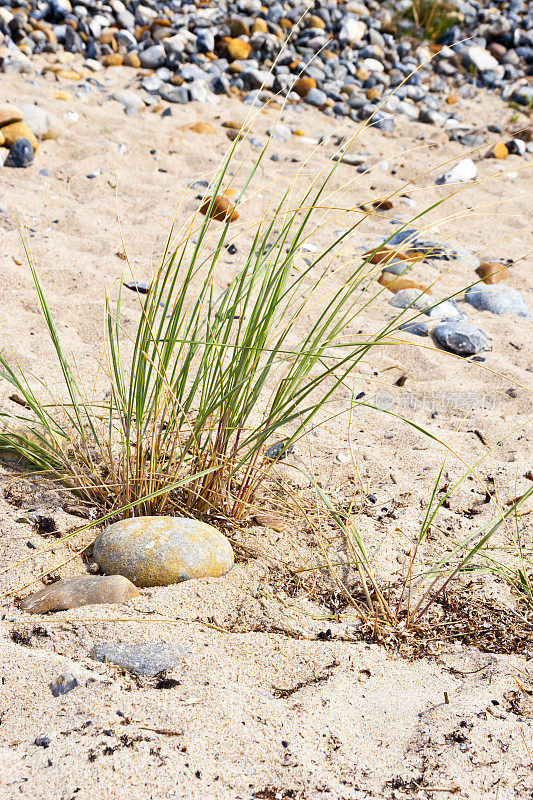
261	689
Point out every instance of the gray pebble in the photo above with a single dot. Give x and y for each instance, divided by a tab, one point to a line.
147	659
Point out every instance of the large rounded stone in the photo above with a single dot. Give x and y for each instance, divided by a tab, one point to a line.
156	551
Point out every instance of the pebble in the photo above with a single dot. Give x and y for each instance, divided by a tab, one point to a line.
83	590
20	154
9	114
63	684
132	103
19	130
222	209
462	172
156	551
492	272
497	300
146	660
461	337
416	328
413	298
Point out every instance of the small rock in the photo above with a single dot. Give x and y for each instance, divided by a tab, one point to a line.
492	272
157	551
304	85
461	337
131	102
42	741
9	114
280	133
497	300
238	49
416	328
481	59
462	172
202	127
279	451
132	60
499	151
80	591
147	660
222	209
19	130
396	283
20	154
63	684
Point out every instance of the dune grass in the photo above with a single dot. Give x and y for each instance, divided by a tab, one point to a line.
218	382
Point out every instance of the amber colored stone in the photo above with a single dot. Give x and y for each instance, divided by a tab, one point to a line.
80	591
239	27
373	93
492	272
132	60
304	85
285	24
452	99
385	254
238	49
19	130
222	210
395	283
260	26
500	150
140	31
201	127
112	60
108	37
161	22
316	22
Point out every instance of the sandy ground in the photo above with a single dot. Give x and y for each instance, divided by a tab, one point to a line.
262	708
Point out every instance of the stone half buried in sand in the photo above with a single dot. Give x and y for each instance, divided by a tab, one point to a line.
147	659
157	551
497	300
461	337
84	590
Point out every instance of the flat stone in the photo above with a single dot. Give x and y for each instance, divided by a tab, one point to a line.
461	337
63	684
147	660
414	298
416	328
9	114
131	102
497	300
35	118
157	551
83	590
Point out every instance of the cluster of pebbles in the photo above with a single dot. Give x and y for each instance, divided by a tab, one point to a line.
349	59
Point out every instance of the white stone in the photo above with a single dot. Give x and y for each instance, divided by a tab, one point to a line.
464	171
352	31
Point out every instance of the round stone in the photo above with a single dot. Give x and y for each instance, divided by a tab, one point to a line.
20	155
238	49
157	551
304	85
19	130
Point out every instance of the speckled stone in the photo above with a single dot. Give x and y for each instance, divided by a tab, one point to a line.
497	300
147	659
84	590
156	551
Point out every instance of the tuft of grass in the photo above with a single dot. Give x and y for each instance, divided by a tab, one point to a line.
431	17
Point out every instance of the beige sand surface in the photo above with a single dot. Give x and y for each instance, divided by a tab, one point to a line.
358	720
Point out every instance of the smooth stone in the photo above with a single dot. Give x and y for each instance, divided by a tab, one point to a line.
19	130
153	57
414	298
416	328
63	684
461	337
462	172
497	300
174	94
157	551
132	104
481	59
147	660
9	114
280	133
84	590
35	118
20	154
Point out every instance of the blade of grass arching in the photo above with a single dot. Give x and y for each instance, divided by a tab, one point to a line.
70	382
429	595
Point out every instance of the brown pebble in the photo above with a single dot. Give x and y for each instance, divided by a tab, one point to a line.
84	590
222	210
395	283
304	85
451	99
373	93
384	254
201	127
492	272
19	130
238	49
112	60
9	114
383	205
132	60
260	26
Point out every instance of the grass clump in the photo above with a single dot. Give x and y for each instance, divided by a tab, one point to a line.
431	18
